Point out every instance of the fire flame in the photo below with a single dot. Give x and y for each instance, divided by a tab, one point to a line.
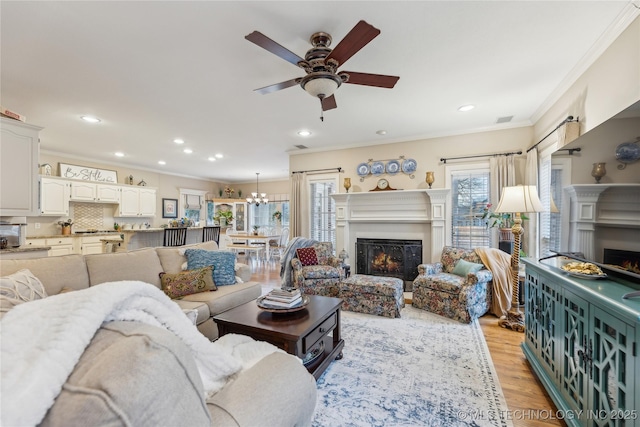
382	262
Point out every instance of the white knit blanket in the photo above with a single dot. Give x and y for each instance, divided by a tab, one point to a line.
43	340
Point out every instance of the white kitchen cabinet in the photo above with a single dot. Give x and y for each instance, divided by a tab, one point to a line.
107	193
60	246
147	199
19	152
137	202
91	245
54	196
82	191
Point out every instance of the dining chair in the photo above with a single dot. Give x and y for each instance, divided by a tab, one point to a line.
175	236
211	233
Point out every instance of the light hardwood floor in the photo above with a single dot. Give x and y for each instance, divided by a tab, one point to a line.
528	403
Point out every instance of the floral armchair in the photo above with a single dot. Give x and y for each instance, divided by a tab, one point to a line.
322	278
454	289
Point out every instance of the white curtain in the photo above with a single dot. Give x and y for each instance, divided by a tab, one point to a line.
503	174
531	169
297	205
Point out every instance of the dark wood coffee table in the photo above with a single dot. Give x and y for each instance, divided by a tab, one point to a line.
298	333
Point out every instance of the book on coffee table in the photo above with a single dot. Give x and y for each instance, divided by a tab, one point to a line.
281	304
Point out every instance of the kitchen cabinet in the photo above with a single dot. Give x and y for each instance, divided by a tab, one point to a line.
137	202
91	245
60	246
19	153
581	340
83	191
54	196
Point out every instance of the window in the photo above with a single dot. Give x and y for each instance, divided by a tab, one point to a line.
191	205
322	210
262	215
552	175
470	193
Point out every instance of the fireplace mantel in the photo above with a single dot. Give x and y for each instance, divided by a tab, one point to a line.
404	214
595	206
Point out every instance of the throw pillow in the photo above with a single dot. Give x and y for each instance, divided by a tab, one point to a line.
22	285
223	263
307	256
177	285
463	268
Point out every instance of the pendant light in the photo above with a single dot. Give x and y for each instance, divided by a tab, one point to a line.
257	198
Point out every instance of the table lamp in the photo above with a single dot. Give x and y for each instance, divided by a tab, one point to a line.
517	200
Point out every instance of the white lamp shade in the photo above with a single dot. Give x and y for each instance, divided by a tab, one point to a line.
321	87
521	198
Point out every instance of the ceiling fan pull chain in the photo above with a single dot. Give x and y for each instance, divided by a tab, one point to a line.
321	112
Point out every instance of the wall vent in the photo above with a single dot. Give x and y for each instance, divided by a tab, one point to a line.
504	119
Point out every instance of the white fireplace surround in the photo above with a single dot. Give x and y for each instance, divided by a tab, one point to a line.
399	214
604	216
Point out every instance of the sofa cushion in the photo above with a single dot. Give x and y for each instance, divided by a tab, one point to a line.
141	264
226	297
223	263
54	272
22	285
177	285
320	272
443	282
161	386
201	308
172	258
464	267
307	256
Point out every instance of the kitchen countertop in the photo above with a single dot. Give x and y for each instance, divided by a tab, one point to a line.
24	249
55	236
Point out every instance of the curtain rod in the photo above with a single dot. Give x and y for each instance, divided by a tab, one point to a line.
567	120
481	155
339	169
570	150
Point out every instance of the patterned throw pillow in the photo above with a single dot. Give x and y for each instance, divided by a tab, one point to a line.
463	268
223	262
307	256
188	282
22	285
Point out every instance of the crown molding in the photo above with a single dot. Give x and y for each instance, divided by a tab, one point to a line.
622	22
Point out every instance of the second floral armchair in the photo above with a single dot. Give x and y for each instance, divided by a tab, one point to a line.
316	271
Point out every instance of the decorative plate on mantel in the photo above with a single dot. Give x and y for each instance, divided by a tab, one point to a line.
628	152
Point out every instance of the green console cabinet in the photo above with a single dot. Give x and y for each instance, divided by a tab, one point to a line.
582	341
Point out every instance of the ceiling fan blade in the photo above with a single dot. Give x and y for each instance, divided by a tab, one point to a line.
367	79
357	38
329	103
278	86
273	47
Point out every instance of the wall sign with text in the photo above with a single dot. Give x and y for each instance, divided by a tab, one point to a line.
86	173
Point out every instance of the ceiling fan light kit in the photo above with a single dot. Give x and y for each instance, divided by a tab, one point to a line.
321	64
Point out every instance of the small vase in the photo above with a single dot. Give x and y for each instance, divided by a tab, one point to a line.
598	171
430	178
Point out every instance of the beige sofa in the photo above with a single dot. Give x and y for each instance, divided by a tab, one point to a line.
81	271
136	374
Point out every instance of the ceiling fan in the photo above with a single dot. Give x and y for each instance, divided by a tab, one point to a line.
321	64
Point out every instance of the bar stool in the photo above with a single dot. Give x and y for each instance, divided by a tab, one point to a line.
211	233
175	236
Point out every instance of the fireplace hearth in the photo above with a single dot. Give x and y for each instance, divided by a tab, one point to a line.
389	258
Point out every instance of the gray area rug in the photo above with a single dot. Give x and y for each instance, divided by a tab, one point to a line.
420	370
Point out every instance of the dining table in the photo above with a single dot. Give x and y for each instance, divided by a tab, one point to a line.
260	238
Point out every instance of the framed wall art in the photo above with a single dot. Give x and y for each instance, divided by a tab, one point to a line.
169	208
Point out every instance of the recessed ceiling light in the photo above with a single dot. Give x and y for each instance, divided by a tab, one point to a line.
212	159
304	133
467	107
219	156
90	119
119	154
381	132
179	141
162	162
188	150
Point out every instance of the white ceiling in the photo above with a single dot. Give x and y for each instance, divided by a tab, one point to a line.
156	71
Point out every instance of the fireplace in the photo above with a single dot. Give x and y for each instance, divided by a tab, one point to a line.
389	258
627	260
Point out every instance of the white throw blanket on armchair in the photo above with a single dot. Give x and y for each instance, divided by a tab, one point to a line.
43	340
